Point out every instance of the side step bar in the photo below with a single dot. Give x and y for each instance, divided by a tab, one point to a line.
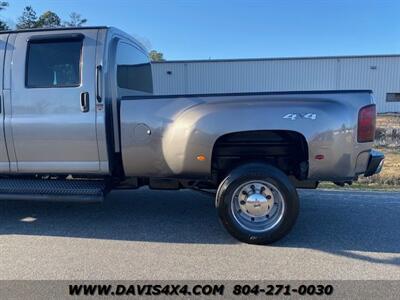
52	189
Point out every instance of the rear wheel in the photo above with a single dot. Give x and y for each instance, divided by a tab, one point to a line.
257	203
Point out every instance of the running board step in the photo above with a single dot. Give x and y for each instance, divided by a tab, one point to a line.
52	189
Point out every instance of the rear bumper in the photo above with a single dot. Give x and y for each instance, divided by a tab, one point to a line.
375	163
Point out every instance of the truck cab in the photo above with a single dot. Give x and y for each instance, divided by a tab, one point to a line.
55	88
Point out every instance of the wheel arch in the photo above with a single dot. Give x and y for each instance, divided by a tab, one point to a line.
276	147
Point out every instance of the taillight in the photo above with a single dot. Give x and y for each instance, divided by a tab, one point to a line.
366	124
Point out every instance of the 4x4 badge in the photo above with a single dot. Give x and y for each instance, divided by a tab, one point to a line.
296	116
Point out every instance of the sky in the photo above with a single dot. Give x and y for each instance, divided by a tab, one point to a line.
224	29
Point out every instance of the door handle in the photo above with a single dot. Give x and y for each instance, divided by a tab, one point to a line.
99	70
85	102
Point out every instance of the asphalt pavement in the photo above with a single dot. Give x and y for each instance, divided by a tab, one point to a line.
146	234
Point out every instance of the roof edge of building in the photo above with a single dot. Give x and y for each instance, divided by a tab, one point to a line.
276	58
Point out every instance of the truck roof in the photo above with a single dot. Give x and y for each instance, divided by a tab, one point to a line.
52	29
143	48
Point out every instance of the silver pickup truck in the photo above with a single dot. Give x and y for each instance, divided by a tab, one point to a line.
78	119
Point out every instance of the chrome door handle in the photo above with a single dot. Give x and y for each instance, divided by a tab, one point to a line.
85	102
99	70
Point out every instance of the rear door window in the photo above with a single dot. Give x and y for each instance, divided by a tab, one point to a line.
54	63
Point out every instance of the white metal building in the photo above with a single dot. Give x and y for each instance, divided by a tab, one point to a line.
378	73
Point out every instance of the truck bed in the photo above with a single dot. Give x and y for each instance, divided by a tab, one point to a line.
163	135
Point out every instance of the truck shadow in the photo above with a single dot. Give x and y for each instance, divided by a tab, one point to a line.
341	223
140	215
353	224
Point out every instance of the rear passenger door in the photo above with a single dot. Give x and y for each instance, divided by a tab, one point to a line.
53	113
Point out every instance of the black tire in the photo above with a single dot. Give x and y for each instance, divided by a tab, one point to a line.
248	173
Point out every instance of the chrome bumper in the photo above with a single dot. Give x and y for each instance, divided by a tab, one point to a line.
375	163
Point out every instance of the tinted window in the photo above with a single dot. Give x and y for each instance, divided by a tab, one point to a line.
133	69
54	63
393	97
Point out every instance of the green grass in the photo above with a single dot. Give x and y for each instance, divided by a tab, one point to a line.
359	186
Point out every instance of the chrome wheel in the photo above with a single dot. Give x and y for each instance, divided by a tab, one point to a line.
257	206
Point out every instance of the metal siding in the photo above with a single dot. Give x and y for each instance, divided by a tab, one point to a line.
356	73
283	75
164	83
216	77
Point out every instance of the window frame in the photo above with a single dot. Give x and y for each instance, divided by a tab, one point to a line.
395	96
133	45
55	39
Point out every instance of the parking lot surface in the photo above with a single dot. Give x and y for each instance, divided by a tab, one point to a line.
146	234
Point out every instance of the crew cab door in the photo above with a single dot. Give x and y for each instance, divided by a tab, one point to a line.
53	109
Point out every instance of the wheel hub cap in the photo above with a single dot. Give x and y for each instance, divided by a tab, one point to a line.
257	204
256	200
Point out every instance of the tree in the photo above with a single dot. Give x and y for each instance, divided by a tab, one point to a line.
3	25
75	20
28	19
156	56
49	19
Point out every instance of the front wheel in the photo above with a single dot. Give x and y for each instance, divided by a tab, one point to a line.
257	203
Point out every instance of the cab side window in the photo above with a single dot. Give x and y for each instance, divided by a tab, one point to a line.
53	63
133	69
